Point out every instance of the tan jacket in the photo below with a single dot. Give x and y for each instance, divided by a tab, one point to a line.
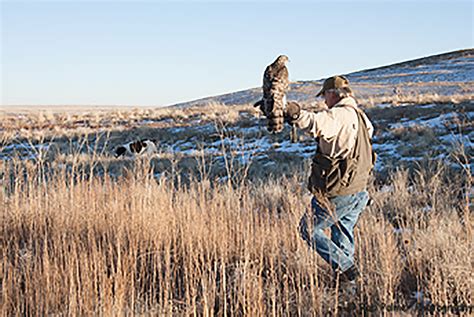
336	128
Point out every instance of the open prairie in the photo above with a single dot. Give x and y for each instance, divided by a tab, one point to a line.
207	225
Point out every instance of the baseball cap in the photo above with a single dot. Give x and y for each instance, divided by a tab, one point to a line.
334	82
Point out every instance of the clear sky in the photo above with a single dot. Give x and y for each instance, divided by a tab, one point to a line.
165	52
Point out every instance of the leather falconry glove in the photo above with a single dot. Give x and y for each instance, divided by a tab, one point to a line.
292	112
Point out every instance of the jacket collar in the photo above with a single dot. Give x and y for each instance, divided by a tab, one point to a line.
347	101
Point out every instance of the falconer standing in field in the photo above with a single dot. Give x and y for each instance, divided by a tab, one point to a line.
339	174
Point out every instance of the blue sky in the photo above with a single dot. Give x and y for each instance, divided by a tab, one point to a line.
165	52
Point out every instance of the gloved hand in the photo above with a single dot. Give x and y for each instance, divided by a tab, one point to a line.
292	112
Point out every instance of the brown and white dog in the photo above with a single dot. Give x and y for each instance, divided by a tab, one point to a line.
133	148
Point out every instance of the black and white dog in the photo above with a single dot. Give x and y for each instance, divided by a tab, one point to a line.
133	148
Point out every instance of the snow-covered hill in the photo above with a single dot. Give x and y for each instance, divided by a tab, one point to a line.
443	74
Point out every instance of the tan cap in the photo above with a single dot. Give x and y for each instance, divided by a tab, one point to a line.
334	82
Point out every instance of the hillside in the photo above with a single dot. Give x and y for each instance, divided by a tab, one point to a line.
442	74
430	117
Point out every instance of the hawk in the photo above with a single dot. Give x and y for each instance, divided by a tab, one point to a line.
275	86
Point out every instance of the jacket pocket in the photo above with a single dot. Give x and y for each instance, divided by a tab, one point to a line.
326	173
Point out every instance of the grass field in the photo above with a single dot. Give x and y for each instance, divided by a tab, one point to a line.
76	238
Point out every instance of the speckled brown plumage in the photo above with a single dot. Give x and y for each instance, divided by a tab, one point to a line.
275	86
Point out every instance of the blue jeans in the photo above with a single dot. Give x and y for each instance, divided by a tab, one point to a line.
339	250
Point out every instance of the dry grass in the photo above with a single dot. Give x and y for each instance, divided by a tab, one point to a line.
88	245
33	124
423	98
370	94
77	242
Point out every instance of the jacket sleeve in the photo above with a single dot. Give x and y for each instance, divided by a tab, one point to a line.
318	123
370	127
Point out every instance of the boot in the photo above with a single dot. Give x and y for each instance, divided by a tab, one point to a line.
349	275
347	280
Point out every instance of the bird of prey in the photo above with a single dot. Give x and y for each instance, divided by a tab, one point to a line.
275	86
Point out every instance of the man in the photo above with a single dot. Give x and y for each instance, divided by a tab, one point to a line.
339	174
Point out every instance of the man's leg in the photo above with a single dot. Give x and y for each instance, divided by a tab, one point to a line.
342	233
318	240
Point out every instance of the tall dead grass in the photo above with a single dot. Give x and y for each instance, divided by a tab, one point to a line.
79	245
